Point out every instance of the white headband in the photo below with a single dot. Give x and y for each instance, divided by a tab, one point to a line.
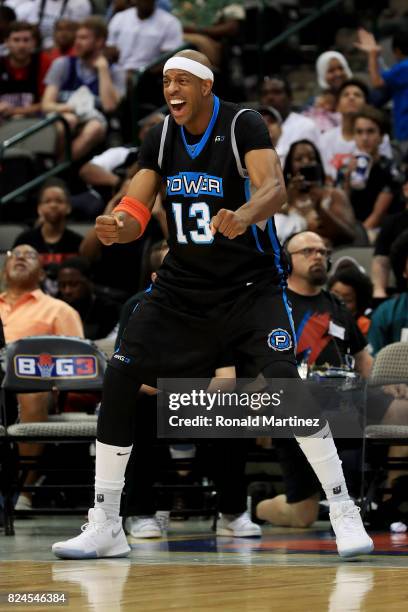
178	62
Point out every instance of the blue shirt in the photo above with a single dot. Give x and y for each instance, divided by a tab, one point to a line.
389	323
396	79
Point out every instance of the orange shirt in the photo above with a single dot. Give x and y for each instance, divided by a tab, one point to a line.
38	314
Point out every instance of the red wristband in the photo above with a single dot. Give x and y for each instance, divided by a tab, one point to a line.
135	209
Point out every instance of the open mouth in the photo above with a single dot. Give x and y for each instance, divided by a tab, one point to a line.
177	107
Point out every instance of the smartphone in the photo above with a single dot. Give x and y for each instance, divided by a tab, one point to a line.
311	173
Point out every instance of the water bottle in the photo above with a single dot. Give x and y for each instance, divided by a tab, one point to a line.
359	176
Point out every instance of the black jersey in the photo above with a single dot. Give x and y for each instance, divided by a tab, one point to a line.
200	179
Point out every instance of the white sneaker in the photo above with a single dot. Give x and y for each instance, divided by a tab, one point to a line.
143	527
100	537
23	503
351	537
240	527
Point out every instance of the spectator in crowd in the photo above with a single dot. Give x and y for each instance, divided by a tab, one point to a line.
355	289
273	120
392	227
211	38
338	145
81	87
142	33
26	311
51	238
276	92
395	80
109	273
311	204
20	77
45	13
371	180
102	170
7	16
323	111
98	313
390	319
327	334
332	70
64	38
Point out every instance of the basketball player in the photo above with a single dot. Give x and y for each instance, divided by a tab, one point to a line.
219	290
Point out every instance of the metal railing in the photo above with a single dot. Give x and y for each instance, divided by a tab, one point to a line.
265	47
21	136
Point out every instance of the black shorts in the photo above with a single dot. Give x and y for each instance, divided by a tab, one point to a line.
165	338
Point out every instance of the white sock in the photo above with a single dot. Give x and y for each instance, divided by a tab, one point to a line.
321	452
111	462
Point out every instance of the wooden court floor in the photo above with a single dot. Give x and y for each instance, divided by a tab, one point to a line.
192	570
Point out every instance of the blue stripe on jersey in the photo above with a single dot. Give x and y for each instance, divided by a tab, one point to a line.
277	253
194	150
253	226
291	322
276	249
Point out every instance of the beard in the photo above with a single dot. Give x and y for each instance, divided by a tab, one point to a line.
317	276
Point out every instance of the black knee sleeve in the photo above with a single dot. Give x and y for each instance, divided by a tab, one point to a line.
299	401
118	408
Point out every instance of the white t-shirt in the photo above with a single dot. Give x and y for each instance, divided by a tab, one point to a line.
13	3
29	10
336	151
289	224
140	41
296	127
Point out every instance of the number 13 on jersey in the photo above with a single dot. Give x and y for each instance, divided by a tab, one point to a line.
199	210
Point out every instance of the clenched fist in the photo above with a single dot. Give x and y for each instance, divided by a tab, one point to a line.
228	223
107	227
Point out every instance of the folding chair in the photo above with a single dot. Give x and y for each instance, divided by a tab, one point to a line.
390	368
46	363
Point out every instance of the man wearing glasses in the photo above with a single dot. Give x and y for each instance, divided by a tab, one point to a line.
326	335
26	310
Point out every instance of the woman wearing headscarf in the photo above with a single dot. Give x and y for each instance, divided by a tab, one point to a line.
332	70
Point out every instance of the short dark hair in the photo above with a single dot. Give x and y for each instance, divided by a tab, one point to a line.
21	26
400	41
356	83
398	257
7	14
278	77
271	112
97	25
54	182
77	263
374	115
359	281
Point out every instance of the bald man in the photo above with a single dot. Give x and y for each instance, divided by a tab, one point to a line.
219	292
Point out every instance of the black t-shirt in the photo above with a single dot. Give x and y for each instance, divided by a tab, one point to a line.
203	267
120	267
392	227
383	177
325	329
99	316
51	253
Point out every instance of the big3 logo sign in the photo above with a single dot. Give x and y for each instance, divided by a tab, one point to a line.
55	366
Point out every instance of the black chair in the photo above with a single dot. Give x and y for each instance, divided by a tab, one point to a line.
47	363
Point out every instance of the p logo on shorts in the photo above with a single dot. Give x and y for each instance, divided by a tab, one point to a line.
279	340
